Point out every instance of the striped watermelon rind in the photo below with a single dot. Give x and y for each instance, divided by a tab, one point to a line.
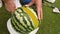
24	19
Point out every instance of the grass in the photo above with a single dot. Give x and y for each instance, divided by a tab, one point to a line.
50	23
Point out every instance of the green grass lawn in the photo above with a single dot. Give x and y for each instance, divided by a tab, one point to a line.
50	23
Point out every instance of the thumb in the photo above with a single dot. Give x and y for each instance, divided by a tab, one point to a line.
31	3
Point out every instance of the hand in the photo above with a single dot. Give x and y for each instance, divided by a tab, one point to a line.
39	7
10	6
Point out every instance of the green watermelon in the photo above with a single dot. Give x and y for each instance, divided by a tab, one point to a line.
24	20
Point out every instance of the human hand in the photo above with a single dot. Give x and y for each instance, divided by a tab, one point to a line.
39	7
10	6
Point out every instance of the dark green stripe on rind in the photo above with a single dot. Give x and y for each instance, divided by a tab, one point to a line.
24	23
31	26
19	22
28	29
27	18
15	26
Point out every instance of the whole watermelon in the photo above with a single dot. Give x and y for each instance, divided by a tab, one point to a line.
24	20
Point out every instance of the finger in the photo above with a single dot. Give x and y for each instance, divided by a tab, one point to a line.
31	3
40	15
39	9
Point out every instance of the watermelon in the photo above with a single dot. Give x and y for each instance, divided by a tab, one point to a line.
24	20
